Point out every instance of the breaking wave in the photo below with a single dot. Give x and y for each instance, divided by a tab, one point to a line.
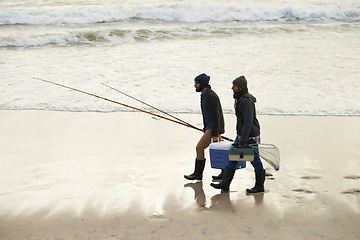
190	13
114	34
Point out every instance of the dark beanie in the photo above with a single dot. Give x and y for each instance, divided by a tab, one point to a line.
203	80
240	82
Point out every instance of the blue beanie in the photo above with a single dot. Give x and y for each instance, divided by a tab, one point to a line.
203	80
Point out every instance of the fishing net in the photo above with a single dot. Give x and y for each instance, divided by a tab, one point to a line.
269	152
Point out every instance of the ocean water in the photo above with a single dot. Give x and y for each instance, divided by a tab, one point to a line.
300	57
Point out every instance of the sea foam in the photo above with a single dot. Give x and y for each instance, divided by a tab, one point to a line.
189	13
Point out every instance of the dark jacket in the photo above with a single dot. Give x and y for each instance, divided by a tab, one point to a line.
213	104
247	124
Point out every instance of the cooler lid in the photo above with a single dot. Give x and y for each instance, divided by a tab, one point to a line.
221	145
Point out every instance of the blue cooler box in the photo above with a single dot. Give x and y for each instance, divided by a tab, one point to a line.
219	155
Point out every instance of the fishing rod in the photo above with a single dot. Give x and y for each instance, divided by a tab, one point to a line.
226	138
128	106
151	106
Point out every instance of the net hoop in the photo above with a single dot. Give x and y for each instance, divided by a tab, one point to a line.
268	152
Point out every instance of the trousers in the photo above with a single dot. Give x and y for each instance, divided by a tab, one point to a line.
203	143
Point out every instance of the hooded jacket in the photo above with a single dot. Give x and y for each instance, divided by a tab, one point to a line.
247	124
213	104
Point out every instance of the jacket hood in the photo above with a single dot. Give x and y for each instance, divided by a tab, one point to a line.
248	95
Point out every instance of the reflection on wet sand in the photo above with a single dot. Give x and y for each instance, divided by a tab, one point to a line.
219	202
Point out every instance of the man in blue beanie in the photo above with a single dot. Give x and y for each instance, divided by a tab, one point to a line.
213	123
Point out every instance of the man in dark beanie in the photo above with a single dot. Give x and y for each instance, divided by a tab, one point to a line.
248	132
213	123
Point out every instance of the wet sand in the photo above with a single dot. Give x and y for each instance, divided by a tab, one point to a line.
120	176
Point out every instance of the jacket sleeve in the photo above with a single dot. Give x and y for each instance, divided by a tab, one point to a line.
213	105
246	108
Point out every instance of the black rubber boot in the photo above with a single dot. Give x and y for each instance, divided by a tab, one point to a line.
226	180
199	168
259	183
220	176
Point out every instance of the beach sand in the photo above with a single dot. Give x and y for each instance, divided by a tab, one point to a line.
71	175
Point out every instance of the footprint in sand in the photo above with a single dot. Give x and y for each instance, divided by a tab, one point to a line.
311	177
352	191
303	190
353	177
269	176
